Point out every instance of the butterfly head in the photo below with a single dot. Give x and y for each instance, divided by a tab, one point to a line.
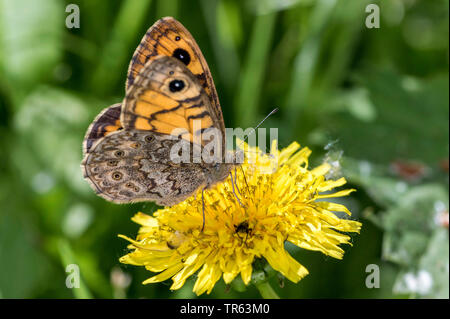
218	172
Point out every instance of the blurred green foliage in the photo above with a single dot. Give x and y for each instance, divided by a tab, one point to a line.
373	102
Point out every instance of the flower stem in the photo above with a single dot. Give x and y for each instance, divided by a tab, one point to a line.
266	290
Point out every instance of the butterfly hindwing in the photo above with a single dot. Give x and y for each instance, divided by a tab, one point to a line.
168	37
105	123
131	166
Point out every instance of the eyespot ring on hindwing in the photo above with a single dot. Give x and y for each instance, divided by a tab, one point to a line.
112	163
119	153
117	176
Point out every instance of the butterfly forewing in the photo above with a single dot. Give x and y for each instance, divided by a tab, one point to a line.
169	37
167	98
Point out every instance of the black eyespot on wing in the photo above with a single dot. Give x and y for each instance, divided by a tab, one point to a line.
117	176
113	163
182	55
177	38
176	86
149	138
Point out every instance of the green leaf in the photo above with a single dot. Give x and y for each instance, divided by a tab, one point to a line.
51	123
254	68
411	120
30	40
24	266
411	222
435	261
116	53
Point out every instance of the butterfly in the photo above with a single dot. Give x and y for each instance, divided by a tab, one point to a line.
128	148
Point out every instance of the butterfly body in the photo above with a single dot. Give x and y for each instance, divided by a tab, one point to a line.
132	149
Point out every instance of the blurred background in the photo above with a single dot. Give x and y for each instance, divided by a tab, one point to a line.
373	102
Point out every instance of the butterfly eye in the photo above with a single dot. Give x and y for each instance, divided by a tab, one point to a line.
117	176
182	55
176	86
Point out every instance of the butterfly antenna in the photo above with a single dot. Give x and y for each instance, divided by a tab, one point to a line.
243	174
235	195
254	129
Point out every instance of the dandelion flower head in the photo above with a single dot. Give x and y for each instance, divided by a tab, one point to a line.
282	201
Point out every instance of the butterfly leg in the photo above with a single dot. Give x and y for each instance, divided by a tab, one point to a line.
203	209
232	185
243	174
235	181
246	184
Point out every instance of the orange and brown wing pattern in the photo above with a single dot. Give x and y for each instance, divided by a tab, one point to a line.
167	98
106	122
169	37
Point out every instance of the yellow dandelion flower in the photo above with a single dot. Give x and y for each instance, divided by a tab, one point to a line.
283	201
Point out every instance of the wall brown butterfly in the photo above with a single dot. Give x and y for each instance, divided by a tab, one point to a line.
127	147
